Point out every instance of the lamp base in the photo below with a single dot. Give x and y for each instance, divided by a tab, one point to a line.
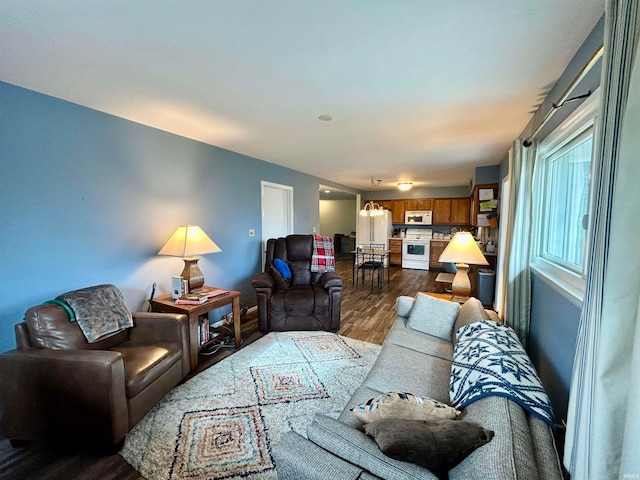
192	273
461	284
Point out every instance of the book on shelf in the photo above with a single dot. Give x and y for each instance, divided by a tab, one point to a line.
211	292
191	299
203	330
200	296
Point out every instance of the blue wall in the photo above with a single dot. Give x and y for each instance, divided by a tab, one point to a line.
489	174
552	345
90	198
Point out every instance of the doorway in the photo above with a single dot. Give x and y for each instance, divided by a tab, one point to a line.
277	212
338	215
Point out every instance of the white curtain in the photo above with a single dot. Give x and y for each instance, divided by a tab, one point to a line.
603	428
517	308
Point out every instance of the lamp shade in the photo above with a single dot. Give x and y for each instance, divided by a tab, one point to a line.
189	241
463	249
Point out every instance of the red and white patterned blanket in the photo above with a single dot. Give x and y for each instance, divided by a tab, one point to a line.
322	259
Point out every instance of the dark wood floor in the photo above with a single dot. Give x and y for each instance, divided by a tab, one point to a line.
366	315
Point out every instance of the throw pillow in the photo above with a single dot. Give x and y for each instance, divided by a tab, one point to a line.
400	405
404	305
470	312
281	282
435	443
433	316
282	267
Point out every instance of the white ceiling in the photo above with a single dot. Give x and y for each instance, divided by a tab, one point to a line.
419	91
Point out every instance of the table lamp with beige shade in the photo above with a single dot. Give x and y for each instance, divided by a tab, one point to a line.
187	242
462	250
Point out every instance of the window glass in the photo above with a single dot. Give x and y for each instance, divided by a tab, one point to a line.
567	201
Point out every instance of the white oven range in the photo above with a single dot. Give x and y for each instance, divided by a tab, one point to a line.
415	248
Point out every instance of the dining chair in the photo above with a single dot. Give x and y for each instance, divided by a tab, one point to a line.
367	259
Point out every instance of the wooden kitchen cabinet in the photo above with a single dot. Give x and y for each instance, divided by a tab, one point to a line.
396	207
451	211
441	211
460	211
417	204
446	211
435	250
386	204
395	249
397	211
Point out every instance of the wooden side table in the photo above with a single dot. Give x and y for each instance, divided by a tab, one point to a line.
448	296
166	304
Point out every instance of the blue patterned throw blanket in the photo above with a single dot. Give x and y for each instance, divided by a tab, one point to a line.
490	360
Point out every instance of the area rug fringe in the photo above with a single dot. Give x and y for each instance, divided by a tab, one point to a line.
222	423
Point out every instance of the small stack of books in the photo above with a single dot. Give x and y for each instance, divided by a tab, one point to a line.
192	299
204	334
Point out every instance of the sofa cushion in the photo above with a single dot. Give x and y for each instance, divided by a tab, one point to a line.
400	405
298	458
436	443
404	304
471	311
399	334
433	316
145	363
401	369
356	447
510	455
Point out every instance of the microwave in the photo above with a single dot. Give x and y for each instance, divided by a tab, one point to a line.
417	217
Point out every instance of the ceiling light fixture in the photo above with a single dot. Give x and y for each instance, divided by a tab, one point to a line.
325	118
404	186
372	209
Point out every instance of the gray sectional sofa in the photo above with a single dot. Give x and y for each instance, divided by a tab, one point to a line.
411	361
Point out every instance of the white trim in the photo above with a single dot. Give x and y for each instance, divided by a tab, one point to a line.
501	273
288	215
569	284
580	120
566	283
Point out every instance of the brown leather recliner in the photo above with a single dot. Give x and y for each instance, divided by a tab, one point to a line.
312	301
57	386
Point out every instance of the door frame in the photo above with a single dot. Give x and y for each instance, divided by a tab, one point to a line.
286	216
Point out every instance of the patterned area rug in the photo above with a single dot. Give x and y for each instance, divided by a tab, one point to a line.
223	422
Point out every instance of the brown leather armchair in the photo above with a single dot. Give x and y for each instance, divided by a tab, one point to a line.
57	386
312	301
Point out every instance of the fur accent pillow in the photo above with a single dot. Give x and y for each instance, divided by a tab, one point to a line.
400	405
436	443
433	316
281	282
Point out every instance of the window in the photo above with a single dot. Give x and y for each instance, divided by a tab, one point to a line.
562	185
566	203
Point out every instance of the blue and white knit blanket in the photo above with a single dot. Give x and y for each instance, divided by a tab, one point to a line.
490	360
